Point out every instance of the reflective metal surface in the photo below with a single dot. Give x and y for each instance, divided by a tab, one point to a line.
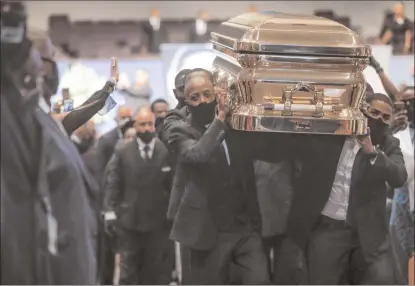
273	32
291	73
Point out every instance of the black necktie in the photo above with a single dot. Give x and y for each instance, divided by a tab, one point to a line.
146	152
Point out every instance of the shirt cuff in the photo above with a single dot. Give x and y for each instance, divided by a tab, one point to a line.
373	160
110	216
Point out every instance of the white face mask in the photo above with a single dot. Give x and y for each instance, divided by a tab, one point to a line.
399	21
201	27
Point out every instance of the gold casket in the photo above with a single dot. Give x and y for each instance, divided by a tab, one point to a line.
291	73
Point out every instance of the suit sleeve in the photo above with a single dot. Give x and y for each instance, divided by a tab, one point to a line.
88	109
391	166
112	186
191	151
101	159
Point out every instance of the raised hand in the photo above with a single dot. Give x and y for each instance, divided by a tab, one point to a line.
115	75
366	142
222	108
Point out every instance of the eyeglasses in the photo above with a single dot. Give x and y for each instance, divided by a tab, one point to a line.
376	114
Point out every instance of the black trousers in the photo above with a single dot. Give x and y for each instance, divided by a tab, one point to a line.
334	256
107	258
146	258
287	264
241	253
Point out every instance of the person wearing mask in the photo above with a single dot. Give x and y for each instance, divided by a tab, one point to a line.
137	191
23	218
67	193
129	134
104	151
160	108
107	142
217	216
344	223
68	121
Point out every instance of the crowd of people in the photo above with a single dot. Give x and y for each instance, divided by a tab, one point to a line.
175	195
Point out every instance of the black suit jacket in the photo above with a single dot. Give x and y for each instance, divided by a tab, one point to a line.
154	38
367	206
175	115
74	199
105	149
138	190
88	109
197	149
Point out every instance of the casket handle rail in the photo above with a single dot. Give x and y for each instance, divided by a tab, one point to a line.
318	99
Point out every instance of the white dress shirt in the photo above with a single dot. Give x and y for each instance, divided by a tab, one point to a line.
142	145
155	23
201	27
225	147
336	206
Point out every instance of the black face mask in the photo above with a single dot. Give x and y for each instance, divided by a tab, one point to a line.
204	113
159	122
146	137
377	129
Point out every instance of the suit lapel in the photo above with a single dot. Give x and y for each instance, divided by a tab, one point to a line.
359	168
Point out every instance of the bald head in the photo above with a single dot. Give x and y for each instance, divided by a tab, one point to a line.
145	120
124	115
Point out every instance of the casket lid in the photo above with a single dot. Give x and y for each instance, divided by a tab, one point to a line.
290	34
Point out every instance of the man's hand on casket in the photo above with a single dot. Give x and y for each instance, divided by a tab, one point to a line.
223	109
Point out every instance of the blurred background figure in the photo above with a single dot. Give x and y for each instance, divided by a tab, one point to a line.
252	8
160	107
139	93
138	184
398	30
200	33
154	30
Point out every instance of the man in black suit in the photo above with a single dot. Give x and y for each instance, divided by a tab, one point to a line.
217	216
138	185
107	142
103	153
155	31
160	108
199	32
339	206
